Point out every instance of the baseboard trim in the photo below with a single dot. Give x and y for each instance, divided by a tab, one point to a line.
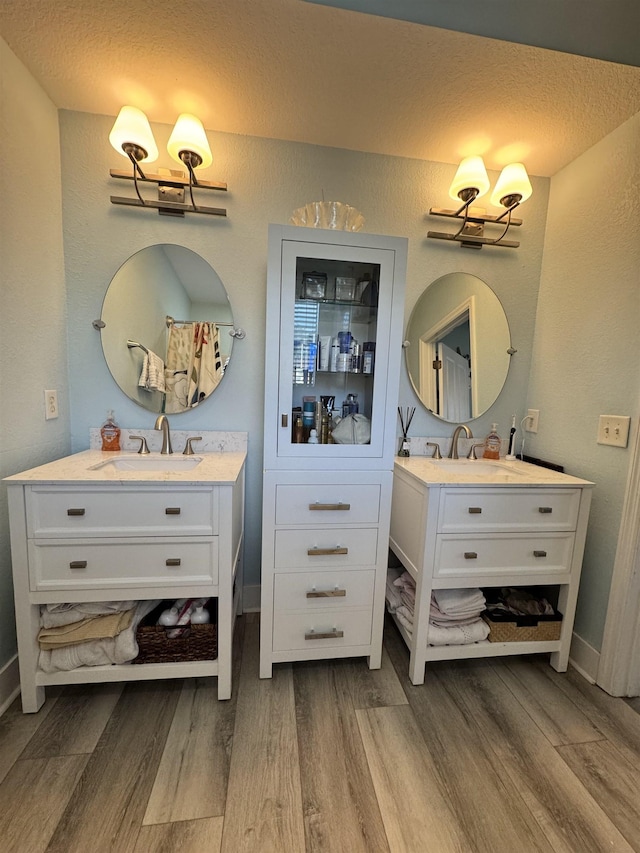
251	598
9	683
584	658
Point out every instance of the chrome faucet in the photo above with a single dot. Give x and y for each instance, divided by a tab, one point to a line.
163	424
453	450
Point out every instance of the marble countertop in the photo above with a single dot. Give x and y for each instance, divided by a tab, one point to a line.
214	469
465	472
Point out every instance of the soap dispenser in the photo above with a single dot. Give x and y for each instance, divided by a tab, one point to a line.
110	433
492	444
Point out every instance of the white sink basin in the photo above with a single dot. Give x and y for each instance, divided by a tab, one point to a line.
482	467
148	463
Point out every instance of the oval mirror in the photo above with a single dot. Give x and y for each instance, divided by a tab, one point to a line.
167	320
458	350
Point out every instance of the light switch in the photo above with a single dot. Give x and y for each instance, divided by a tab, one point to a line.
613	430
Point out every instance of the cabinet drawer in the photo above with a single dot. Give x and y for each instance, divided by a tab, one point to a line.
326	629
96	563
324	503
68	512
313	548
508	509
462	556
323	590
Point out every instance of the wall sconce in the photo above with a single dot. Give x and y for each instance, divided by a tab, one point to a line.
132	137
471	182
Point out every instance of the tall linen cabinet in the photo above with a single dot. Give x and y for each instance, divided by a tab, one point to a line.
327	506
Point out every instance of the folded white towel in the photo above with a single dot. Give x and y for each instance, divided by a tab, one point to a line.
120	649
459	601
152	374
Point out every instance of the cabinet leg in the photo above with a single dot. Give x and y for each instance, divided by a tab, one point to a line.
32	698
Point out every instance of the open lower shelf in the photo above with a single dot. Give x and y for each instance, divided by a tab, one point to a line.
128	672
483	649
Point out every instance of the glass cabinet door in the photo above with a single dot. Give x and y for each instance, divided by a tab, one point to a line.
334	344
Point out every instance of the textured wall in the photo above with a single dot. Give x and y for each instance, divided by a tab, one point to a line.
267	180
586	361
33	352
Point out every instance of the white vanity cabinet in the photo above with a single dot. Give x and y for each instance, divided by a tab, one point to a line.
523	526
326	506
79	535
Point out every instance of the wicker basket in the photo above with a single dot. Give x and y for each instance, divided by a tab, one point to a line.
199	642
522	629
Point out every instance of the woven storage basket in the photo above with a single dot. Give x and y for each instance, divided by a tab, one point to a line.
522	629
200	642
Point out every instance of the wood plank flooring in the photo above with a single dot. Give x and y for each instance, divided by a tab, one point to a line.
488	756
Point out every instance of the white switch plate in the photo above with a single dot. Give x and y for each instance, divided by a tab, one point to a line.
613	430
50	405
531	423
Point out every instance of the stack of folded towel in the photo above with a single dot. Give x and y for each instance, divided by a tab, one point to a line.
89	634
454	614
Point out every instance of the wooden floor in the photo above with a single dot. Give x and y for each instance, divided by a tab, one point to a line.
499	756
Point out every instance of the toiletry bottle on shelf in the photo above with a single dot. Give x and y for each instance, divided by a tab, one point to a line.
110	433
492	444
313	437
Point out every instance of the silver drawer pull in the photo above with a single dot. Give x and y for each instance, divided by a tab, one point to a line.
172	510
470	555
325	552
76	511
539	553
173	561
545	510
324	635
326	593
333	507
78	564
475	510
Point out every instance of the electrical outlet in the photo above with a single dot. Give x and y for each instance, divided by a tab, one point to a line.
531	423
50	405
613	430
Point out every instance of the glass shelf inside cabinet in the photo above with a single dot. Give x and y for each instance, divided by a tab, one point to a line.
334	344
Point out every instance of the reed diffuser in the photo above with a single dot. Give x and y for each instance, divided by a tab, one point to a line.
405	422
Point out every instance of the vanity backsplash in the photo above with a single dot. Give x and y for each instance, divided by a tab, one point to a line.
213	441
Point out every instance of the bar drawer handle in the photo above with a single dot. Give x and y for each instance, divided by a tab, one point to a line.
326	593
475	510
545	510
471	555
325	552
339	506
76	511
173	561
78	564
284	420
539	553
324	635
172	510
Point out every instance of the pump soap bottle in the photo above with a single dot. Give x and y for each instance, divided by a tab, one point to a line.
110	433
492	444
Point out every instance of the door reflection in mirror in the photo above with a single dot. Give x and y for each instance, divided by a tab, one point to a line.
458	340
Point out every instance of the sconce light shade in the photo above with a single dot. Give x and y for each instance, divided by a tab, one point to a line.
189	135
513	186
132	130
471	175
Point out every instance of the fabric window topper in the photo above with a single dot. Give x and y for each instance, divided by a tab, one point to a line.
352	429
